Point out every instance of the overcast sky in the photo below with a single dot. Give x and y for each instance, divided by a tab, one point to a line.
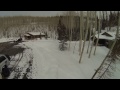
29	13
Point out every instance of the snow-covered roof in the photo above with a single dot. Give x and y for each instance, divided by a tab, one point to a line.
26	35
35	33
113	34
105	37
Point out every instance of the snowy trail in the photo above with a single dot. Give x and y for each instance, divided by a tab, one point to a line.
51	63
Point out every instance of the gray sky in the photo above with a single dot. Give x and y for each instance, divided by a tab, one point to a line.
29	13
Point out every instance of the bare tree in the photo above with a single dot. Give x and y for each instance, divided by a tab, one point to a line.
69	28
85	36
93	36
71	13
90	31
81	29
98	35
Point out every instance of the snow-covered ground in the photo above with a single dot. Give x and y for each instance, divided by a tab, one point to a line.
51	63
21	64
8	39
4	40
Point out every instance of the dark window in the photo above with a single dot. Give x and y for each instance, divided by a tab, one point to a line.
2	58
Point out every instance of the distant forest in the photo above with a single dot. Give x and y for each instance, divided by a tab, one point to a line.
19	25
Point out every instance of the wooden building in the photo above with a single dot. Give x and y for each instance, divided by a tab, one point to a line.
34	35
105	39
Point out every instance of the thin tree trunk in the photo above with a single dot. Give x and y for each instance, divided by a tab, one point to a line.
74	47
69	28
81	21
67	22
110	21
107	21
93	37
90	31
76	38
83	27
98	36
85	37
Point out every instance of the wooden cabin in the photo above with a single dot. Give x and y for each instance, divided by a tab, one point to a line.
34	35
105	39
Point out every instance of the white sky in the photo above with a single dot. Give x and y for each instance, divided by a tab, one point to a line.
30	13
33	13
